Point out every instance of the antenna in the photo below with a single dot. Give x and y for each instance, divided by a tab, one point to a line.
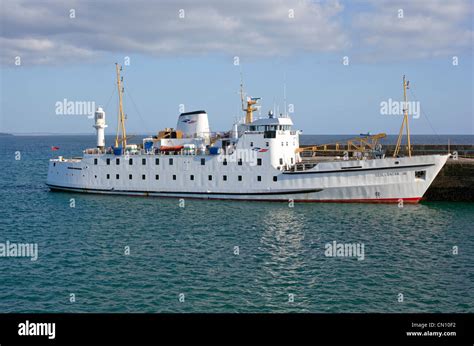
242	89
284	94
274	106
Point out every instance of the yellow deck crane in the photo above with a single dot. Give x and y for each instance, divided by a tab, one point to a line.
358	144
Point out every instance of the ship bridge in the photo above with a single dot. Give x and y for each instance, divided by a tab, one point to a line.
271	124
273	138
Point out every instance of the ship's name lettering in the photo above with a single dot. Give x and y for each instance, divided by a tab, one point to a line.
386	174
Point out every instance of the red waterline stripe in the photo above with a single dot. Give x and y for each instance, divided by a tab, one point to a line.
412	200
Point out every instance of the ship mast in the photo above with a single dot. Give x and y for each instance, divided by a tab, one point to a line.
404	122
251	101
121	117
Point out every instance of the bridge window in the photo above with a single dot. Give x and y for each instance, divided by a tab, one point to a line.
269	134
420	175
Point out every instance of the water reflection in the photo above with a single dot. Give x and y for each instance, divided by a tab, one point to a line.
283	233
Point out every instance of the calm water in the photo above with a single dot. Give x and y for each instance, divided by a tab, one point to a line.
191	250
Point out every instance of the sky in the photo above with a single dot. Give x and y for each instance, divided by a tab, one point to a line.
338	61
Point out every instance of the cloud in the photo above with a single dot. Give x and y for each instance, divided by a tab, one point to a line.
427	28
259	28
42	32
41	51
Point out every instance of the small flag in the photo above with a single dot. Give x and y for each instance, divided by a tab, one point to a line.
54	148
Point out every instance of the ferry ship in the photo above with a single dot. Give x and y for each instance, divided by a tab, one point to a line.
258	159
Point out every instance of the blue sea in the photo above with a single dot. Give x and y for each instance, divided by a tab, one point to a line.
217	256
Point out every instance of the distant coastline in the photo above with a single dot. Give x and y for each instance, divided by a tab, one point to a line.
305	139
348	135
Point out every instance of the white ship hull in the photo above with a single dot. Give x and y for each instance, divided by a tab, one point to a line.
386	180
259	159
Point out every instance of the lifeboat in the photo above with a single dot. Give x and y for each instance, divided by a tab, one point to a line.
171	148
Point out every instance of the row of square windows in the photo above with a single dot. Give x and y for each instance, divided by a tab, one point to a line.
268	144
191	177
157	162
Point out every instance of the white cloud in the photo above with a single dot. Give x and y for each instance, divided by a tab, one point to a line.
429	28
38	51
257	28
41	32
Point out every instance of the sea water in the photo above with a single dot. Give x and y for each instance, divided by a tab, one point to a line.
135	254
